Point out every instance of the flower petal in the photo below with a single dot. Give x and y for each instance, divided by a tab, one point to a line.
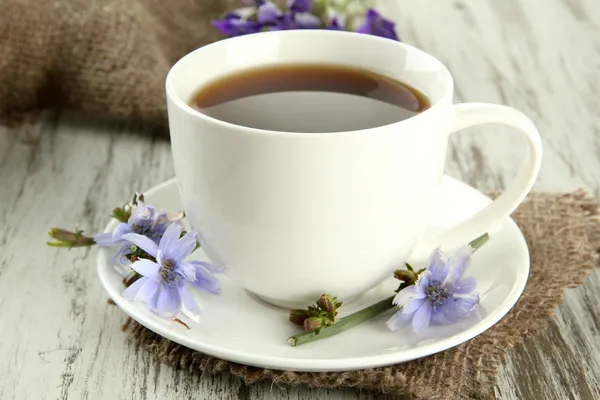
438	317
223	25
169	301
466	285
437	265
413	306
183	247
119	257
307	20
460	307
149	292
164	220
134	211
422	317
268	13
159	230
205	281
132	292
107	239
300	6
188	300
144	220
406	295
169	240
236	23
122	229
399	320
456	266
335	25
142	242
376	25
146	268
212	268
188	271
423	282
467	303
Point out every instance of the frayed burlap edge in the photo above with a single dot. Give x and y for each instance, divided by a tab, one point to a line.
563	235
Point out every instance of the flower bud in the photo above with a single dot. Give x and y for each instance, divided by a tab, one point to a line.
406	275
121	214
298	316
66	238
144	220
327	303
314	323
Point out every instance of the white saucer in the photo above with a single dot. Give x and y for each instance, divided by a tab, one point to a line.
237	327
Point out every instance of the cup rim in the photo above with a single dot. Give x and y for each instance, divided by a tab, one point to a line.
184	106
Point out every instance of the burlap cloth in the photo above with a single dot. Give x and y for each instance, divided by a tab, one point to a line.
563	233
102	56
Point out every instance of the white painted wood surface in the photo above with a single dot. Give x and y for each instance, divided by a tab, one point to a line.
59	339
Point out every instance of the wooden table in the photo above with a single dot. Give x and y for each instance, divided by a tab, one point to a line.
59	339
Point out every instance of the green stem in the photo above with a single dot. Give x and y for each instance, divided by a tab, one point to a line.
480	241
363	315
343	323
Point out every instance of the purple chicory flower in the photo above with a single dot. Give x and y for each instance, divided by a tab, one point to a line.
272	17
237	23
440	295
268	13
260	15
300	6
283	23
163	285
305	20
144	220
335	25
376	25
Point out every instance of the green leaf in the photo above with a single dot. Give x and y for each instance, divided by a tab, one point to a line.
120	214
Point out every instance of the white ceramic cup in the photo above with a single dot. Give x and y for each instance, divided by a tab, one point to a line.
293	215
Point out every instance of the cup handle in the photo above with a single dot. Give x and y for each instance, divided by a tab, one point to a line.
486	220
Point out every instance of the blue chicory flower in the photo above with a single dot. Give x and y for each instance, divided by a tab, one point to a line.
237	23
144	220
163	284
335	25
305	20
440	295
274	19
268	13
262	15
300	6
376	25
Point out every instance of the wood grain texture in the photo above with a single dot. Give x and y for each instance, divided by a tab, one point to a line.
60	340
